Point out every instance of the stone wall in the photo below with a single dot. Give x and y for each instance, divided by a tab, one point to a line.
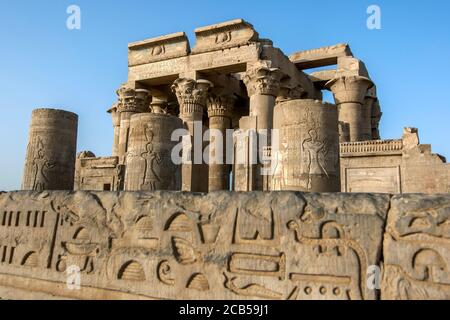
393	166
166	245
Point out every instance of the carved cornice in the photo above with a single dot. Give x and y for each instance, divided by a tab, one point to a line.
132	100
191	94
262	79
221	105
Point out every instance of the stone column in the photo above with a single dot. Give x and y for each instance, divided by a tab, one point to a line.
115	115
191	95
131	102
220	108
51	152
149	165
349	93
263	83
369	104
307	155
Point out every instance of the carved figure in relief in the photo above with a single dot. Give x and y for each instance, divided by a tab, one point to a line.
278	178
150	157
41	165
223	37
313	147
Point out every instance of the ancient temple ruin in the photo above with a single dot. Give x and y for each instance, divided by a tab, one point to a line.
236	92
234	80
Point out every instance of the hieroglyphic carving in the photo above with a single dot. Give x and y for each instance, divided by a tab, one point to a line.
179	245
256	227
131	271
164	273
258	265
41	165
334	242
251	290
184	251
417	249
321	286
198	282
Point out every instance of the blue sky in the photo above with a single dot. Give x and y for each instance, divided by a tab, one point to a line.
42	63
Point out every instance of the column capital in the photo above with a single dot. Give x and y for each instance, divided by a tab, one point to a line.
191	94
290	90
132	100
349	89
158	105
221	105
115	114
260	78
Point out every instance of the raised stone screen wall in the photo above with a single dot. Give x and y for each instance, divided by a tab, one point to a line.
222	245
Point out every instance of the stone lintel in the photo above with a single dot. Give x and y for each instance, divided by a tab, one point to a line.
224	35
320	78
320	57
230	60
156	49
99	162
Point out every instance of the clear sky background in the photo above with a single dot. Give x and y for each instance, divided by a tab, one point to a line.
43	64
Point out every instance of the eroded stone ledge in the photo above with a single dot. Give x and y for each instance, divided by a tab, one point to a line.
280	245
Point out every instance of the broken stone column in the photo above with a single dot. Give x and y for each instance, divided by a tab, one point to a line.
220	107
263	84
51	151
149	165
191	95
349	93
115	115
307	158
131	101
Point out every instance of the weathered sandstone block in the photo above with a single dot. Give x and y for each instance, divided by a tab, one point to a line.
417	248
51	151
167	245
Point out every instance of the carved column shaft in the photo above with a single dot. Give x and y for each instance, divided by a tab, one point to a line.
191	95
51	152
219	112
149	163
131	101
349	93
263	83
